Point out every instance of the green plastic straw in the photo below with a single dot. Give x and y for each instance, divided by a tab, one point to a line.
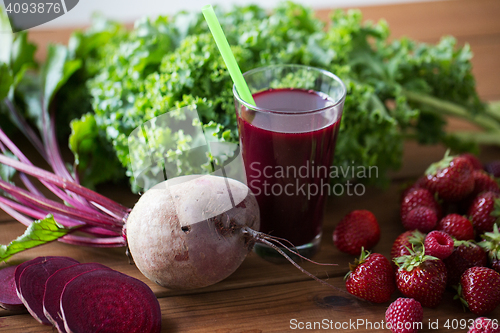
227	55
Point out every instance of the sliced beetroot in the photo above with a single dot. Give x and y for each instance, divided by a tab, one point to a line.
25	264
8	293
109	301
31	286
54	288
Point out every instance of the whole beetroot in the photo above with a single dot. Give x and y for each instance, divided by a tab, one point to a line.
191	231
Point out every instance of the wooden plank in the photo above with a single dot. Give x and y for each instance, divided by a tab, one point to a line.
486	68
273	308
249	274
472	22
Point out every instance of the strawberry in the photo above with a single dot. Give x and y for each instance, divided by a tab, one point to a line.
483	181
491	244
422	277
493	168
479	290
404	315
418	197
371	277
411	239
484	211
473	160
438	244
421	218
484	325
456	226
419	183
358	229
451	178
465	255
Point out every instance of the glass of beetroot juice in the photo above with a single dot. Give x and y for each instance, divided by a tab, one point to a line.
287	142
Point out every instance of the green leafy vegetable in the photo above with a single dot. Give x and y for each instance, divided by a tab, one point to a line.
117	79
6	81
38	233
56	71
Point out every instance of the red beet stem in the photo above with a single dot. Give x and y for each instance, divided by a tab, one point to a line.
53	206
49	139
15	214
29	185
51	178
118	241
23	125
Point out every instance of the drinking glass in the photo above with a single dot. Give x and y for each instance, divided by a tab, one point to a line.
287	143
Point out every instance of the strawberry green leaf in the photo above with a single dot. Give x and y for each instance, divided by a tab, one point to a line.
444	163
414	259
491	243
38	233
416	239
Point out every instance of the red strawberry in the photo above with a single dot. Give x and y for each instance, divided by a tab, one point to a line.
493	168
438	244
484	325
484	211
479	290
411	239
371	278
456	226
421	218
358	229
451	178
473	160
484	182
491	244
422	277
466	254
404	315
419	183
416	198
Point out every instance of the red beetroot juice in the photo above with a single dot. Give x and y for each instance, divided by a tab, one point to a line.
288	171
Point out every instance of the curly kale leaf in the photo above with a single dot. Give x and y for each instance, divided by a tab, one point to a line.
172	62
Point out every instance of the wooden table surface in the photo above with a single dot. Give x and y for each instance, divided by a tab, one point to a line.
264	297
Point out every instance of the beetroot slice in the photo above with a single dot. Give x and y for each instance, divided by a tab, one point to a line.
109	301
8	294
31	285
25	264
54	288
